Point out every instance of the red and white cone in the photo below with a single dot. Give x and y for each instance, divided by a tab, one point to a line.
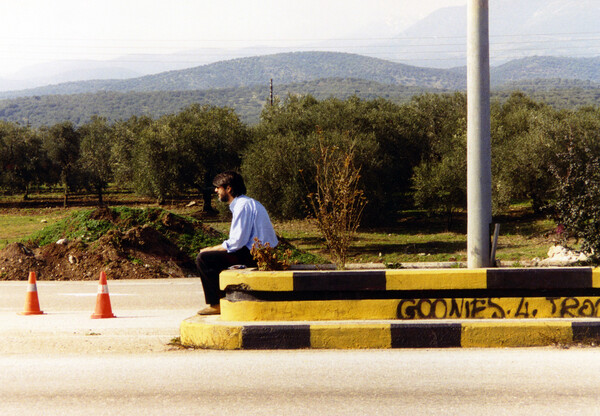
32	303
103	308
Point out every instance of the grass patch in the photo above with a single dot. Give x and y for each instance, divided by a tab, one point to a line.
417	237
16	225
89	225
78	225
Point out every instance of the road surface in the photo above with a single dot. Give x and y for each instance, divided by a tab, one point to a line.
382	382
64	363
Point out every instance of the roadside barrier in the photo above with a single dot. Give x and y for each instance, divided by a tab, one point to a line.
411	294
402	308
32	303
103	308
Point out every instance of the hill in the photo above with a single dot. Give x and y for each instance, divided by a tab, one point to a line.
242	84
300	67
284	68
547	67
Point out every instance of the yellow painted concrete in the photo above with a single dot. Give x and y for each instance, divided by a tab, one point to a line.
518	308
596	277
308	310
515	333
257	280
205	332
439	279
409	309
350	336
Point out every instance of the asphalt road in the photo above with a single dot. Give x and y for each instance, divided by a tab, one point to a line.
148	312
380	382
64	363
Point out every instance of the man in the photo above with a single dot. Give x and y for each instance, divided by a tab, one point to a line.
250	220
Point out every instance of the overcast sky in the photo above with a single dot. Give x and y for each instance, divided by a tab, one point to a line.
34	31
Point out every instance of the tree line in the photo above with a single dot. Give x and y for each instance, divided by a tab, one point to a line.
410	155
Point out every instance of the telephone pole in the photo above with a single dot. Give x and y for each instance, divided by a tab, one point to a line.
479	172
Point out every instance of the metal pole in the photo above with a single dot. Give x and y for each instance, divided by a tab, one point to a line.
479	175
271	92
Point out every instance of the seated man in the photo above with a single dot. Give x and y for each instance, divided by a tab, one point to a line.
250	220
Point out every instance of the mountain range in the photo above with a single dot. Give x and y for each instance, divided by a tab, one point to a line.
243	84
298	67
518	29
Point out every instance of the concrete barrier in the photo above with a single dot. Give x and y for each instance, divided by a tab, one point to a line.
402	308
212	332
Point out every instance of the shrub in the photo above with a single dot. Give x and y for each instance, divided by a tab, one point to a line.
338	202
577	205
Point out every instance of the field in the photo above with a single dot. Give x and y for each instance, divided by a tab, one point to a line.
418	238
414	238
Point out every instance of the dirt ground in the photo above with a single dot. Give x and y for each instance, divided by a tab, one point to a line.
141	252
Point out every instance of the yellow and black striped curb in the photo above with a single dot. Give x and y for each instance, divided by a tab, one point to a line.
413	308
405	280
411	294
213	333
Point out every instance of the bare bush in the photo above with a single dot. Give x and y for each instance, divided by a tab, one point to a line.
338	201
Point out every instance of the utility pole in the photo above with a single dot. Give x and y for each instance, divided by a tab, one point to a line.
479	152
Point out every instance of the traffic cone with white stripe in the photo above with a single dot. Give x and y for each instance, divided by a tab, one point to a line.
32	303
103	309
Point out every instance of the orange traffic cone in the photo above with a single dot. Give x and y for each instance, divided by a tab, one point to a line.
32	304
103	309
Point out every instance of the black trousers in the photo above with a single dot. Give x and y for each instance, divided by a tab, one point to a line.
211	263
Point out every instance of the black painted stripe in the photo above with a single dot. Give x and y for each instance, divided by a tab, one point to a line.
586	331
340	280
266	337
426	335
551	278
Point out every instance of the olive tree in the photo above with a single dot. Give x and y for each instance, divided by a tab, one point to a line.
62	144
210	140
95	152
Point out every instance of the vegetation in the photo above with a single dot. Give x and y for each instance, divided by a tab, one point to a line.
247	102
577	206
270	258
411	155
337	202
415	237
88	226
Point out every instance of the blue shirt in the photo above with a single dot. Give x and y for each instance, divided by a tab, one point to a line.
250	220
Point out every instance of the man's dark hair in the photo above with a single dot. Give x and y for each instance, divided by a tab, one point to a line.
233	179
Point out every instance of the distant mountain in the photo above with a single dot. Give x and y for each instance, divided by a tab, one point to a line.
297	67
517	29
243	84
126	66
547	67
284	68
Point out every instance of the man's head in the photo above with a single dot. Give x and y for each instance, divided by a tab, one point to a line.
228	185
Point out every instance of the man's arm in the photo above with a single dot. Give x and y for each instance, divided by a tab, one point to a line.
213	248
240	230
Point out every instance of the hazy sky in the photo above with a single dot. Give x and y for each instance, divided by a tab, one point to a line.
34	31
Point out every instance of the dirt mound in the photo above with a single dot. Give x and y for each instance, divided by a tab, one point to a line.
140	252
